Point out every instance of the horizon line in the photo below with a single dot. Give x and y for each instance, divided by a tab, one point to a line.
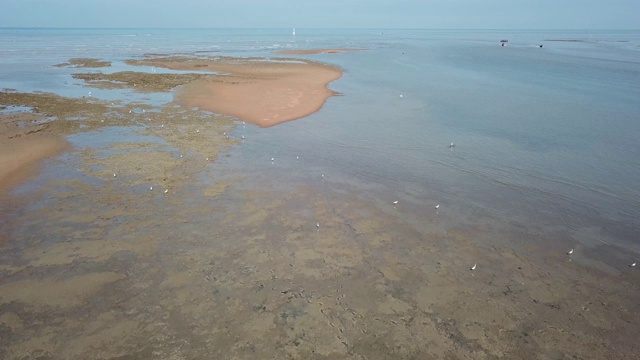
311	28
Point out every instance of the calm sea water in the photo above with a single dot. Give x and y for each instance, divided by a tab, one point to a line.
546	138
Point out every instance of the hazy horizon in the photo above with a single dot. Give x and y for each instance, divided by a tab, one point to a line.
371	14
316	28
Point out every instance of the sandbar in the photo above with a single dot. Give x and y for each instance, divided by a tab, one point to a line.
316	51
264	92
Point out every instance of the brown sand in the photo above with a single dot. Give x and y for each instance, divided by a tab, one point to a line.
22	147
315	51
261	92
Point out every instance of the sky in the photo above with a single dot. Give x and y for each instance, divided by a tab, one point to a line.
427	14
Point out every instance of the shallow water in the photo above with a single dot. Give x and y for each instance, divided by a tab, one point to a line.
545	137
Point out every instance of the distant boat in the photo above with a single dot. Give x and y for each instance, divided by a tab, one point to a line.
294	31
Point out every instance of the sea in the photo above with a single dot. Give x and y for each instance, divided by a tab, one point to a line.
530	129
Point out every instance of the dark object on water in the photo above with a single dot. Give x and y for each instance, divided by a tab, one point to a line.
502	44
540	45
504	41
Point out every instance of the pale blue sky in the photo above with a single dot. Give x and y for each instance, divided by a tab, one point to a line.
430	14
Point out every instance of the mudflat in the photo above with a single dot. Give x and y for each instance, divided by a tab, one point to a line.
146	246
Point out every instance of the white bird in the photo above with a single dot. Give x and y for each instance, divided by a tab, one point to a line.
150	187
180	155
198	130
318	225
297	157
473	267
400	95
323	176
242	137
114	174
395	202
207	159
166	191
570	252
437	206
272	159
162	126
632	265
452	145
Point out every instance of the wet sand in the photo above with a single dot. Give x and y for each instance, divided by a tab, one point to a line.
24	143
259	91
223	265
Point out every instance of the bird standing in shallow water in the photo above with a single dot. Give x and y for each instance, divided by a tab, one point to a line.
632	265
473	267
570	252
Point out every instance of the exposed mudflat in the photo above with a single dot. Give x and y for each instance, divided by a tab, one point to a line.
84	63
137	244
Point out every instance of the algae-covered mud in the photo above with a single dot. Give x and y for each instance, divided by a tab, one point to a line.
146	236
138	81
84	63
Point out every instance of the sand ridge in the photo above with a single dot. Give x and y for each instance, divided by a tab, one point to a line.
264	92
317	51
